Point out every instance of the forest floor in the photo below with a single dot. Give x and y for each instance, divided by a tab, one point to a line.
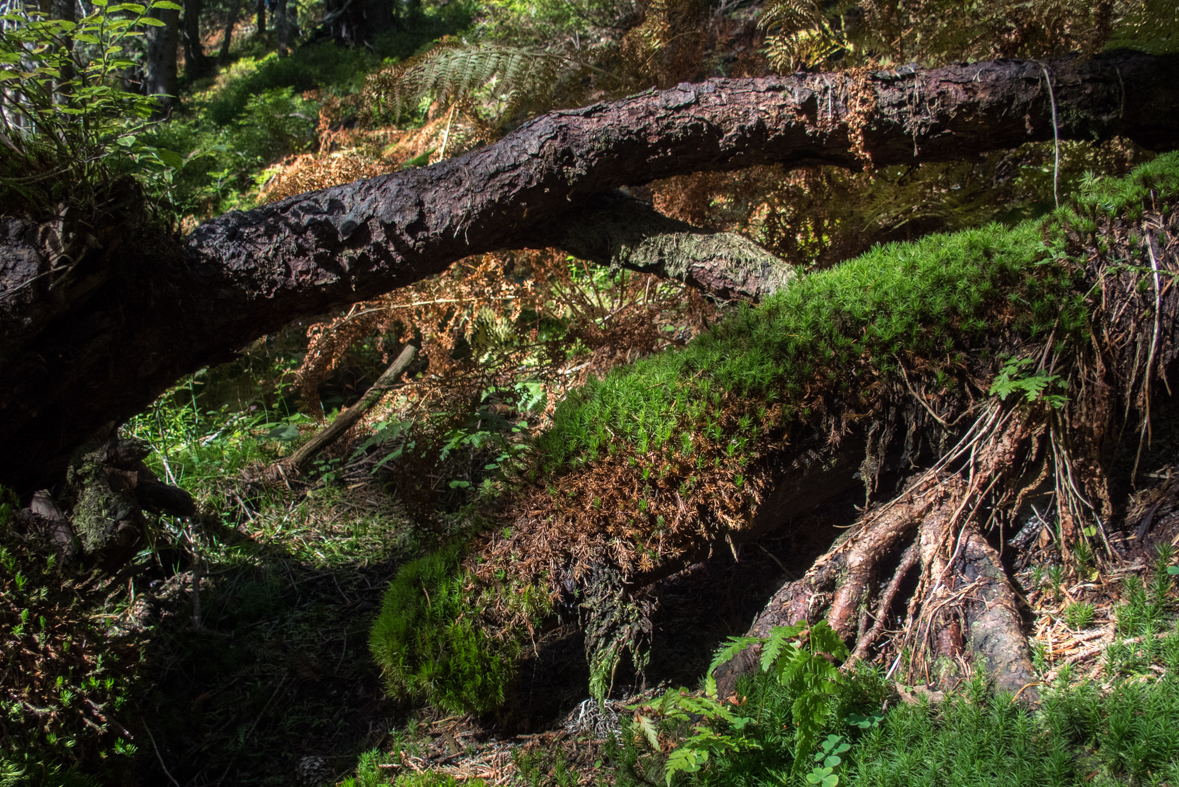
276	685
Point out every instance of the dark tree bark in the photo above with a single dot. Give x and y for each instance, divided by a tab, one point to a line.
159	67
196	63
357	22
235	7
96	322
283	25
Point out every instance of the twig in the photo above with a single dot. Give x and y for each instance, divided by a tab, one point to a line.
159	756
1055	137
789	574
1143	435
918	396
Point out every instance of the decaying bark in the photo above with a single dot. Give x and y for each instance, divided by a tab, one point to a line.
97	319
622	231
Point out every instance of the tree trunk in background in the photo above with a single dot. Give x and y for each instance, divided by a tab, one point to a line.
260	10
196	63
358	22
284	26
235	7
159	67
93	332
67	10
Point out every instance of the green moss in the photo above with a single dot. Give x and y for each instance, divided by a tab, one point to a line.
429	641
931	299
939	300
1154	182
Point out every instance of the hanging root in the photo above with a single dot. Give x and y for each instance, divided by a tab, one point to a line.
962	611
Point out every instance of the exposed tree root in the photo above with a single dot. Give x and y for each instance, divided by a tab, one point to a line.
936	545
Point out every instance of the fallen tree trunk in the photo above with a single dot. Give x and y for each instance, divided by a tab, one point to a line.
98	317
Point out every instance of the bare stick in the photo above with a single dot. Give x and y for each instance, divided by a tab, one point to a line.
345	420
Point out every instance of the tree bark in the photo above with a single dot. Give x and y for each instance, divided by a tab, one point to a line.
260	11
159	67
196	63
98	323
227	39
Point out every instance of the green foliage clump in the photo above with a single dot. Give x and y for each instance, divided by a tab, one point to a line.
72	128
835	330
63	682
1080	735
1153	183
769	731
429	643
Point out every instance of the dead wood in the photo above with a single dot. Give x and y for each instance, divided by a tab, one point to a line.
347	419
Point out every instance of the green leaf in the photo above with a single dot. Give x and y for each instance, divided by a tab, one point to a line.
166	4
151	21
284	433
648	729
170	158
725	654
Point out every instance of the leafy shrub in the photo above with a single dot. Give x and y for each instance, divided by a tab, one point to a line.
71	128
429	643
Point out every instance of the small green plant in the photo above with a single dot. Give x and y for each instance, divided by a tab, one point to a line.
827	761
1143	607
1079	615
705	740
1015	378
1056	580
800	657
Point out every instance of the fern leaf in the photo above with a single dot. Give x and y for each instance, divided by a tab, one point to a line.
462	74
779	638
725	654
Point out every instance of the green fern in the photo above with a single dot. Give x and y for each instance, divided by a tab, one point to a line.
801	658
804	33
506	80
